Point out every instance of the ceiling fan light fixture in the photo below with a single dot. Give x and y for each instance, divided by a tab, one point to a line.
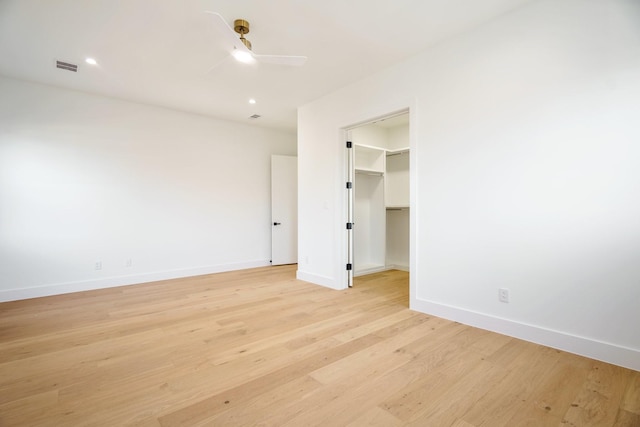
240	48
243	56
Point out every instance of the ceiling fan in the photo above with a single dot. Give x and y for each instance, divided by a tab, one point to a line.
241	47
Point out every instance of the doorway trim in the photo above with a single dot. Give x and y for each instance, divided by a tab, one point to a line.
344	131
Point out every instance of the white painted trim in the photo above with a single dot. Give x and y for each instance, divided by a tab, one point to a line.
370	270
398	267
319	280
390	108
583	346
111	282
387	267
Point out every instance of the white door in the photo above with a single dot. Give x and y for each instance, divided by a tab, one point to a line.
284	210
350	209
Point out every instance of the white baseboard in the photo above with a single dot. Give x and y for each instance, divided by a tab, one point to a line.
316	279
114	281
603	351
398	267
369	270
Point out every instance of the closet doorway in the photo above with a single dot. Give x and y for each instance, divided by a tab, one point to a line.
378	207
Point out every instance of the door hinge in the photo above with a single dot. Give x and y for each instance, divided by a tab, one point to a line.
349	144
349	185
349	225
349	267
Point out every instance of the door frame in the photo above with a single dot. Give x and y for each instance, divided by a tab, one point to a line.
349	162
292	247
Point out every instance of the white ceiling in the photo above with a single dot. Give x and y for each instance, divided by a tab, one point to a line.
160	51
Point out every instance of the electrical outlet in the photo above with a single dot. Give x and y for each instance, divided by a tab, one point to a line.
98	265
503	294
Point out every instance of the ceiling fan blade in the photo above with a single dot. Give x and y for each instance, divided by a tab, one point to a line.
295	61
242	53
217	64
223	27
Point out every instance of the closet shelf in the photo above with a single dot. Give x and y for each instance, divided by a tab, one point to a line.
369	171
369	147
380	200
397	151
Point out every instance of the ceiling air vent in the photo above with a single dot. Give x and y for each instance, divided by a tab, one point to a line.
66	66
255	116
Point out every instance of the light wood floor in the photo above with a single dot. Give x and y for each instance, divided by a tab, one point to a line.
257	347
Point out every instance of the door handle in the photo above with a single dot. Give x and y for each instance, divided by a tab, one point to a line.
276	223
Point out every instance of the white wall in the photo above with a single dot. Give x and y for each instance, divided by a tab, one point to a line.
398	137
525	154
391	138
398	239
371	135
86	178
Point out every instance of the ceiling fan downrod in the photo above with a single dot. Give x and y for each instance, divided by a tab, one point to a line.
241	27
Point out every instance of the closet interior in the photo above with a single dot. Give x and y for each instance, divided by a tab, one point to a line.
381	196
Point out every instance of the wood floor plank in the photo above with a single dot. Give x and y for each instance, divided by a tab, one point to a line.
599	399
259	405
552	398
258	347
631	399
376	417
524	374
626	419
38	405
448	387
446	407
206	407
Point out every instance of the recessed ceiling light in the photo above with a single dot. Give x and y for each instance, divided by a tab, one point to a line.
252	101
91	61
